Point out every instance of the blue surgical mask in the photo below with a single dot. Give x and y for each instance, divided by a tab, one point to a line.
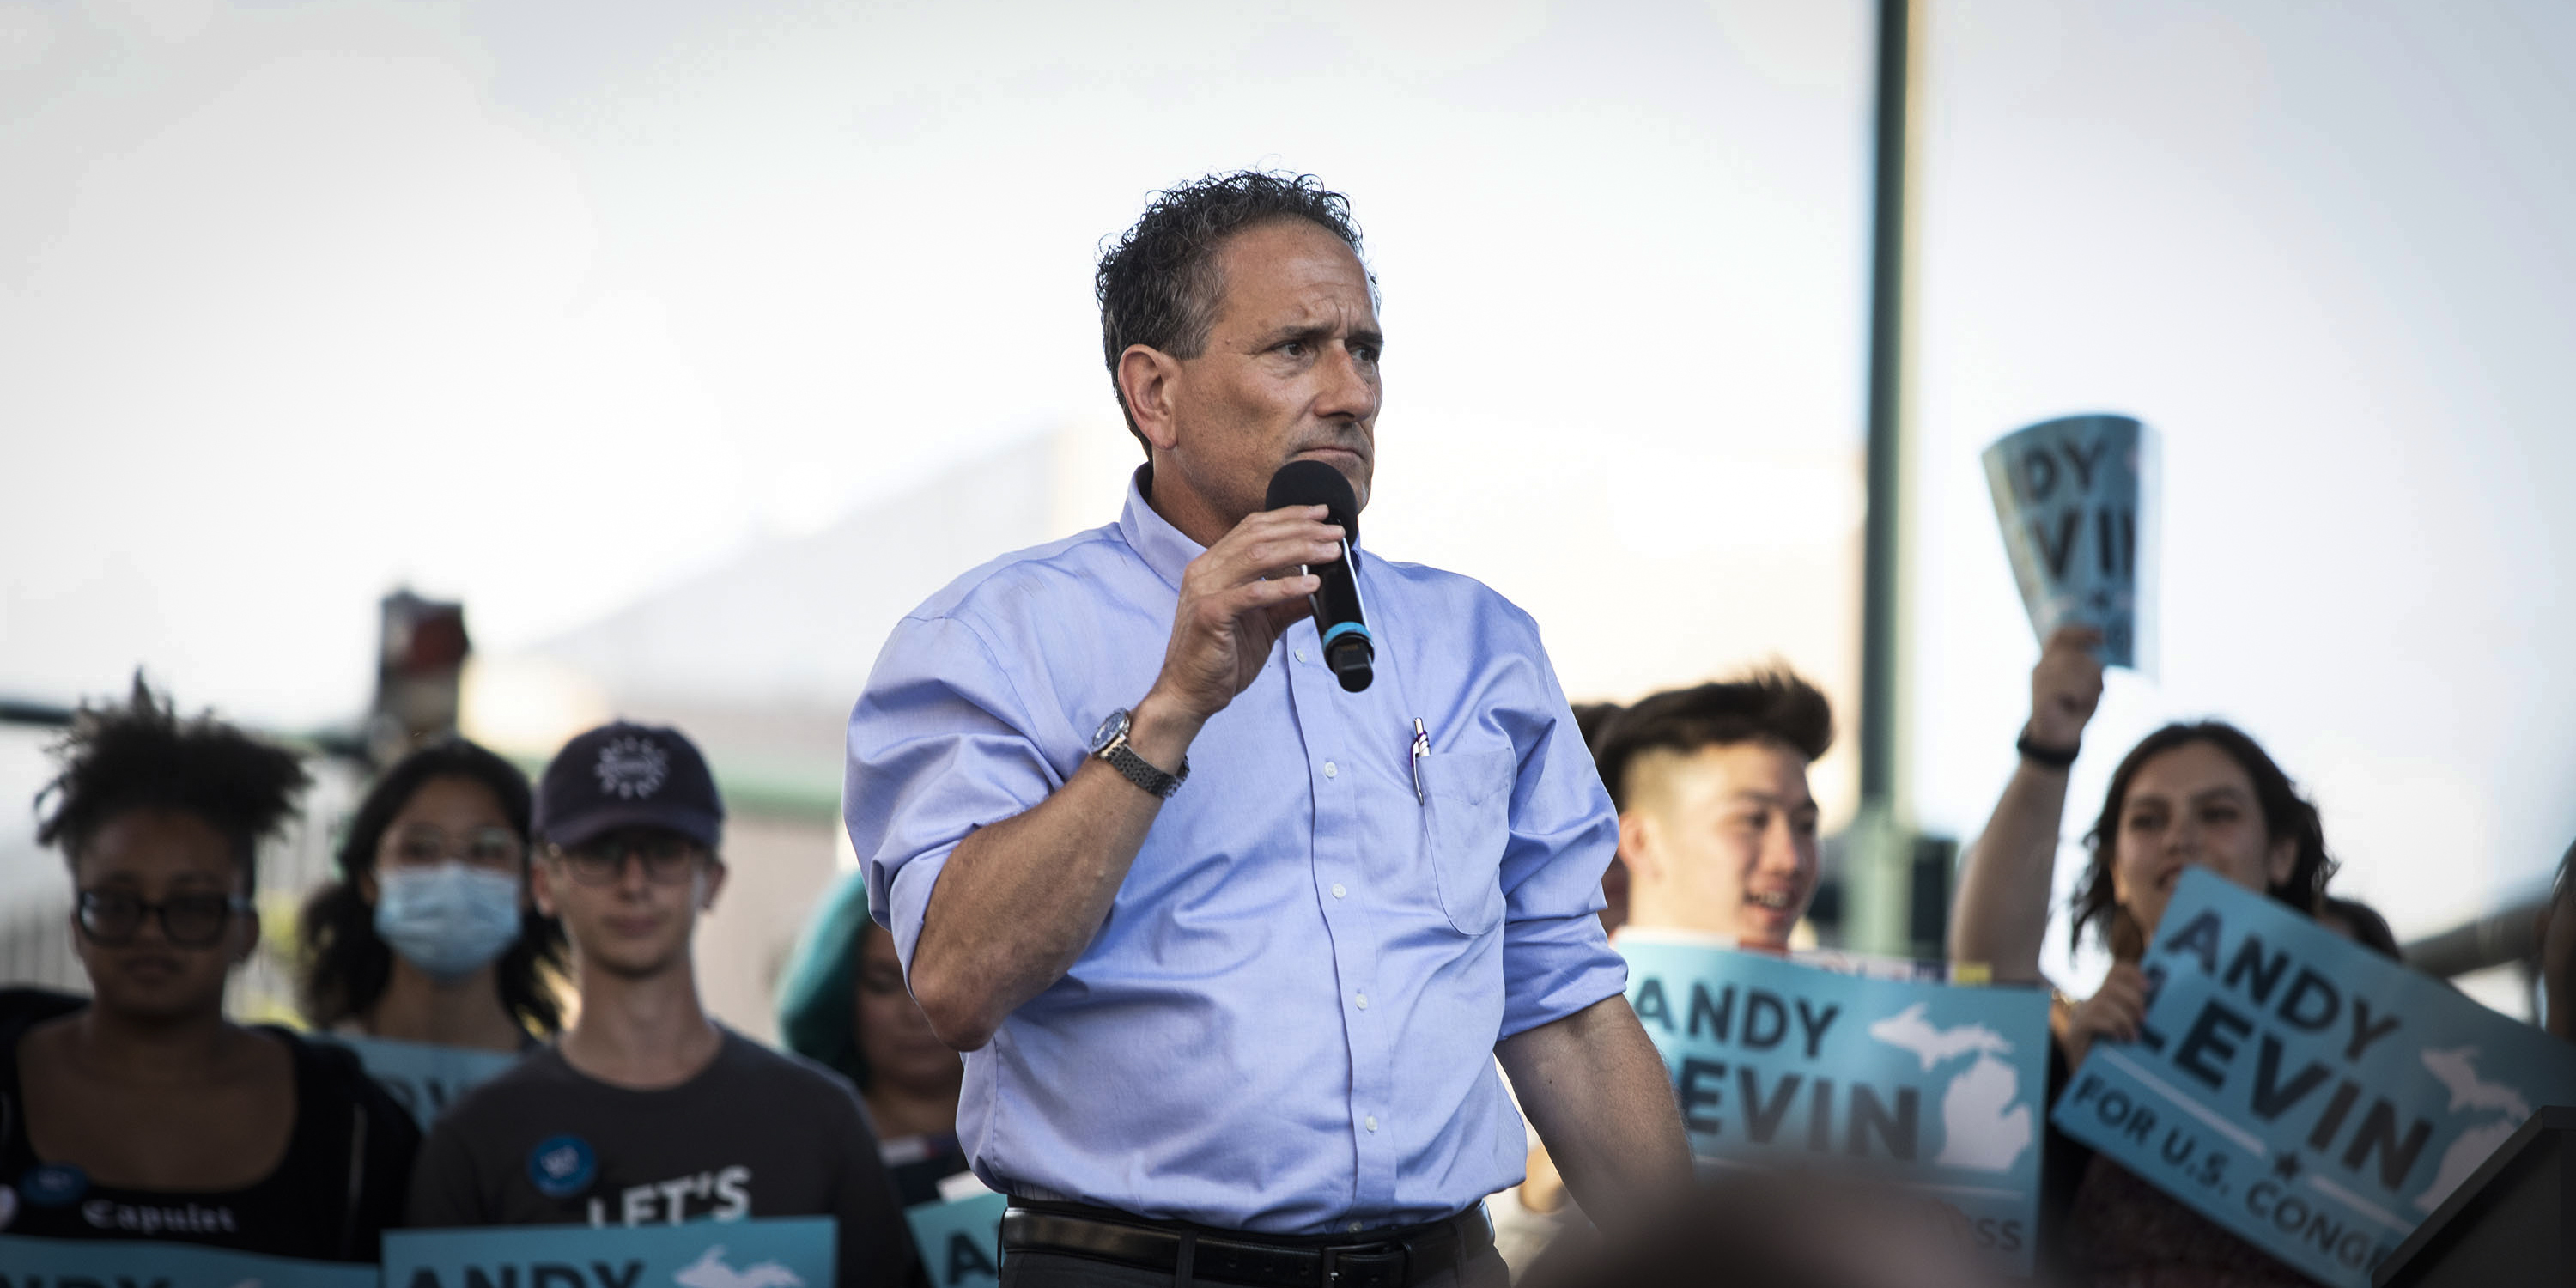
448	919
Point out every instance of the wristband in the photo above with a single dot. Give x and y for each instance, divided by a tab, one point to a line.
2049	757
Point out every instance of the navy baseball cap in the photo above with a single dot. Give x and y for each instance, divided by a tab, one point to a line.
628	775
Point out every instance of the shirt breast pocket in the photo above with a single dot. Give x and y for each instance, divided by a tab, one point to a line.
1466	818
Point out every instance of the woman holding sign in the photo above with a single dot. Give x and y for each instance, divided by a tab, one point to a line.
429	935
141	1112
2188	795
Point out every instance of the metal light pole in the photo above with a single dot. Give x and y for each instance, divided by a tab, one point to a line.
1896	881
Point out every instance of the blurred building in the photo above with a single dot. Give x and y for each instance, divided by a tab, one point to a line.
1643	571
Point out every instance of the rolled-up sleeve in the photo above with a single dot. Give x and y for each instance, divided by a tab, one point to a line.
1556	958
939	745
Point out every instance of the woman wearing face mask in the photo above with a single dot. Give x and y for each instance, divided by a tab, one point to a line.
140	1112
2188	795
429	935
844	1005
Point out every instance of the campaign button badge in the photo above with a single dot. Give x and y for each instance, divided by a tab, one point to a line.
562	1166
53	1184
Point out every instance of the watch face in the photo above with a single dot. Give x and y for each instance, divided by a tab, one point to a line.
1108	731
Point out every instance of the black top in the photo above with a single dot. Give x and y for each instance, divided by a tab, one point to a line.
2100	1224
754	1134
348	1157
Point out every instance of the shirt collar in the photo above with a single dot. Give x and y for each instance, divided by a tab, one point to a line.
1164	548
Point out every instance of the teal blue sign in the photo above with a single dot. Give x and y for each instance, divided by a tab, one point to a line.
2312	1096
1934	1086
960	1242
152	1263
790	1252
2077	500
425	1078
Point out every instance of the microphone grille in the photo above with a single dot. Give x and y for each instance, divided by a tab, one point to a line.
1315	483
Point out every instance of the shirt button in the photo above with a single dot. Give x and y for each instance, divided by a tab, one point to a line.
1363	1001
1331	770
1355	1227
1301	655
1372	1122
1338	891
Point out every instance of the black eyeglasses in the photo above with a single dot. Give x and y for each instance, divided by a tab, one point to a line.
668	859
112	918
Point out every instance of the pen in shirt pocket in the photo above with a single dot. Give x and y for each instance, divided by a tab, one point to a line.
1421	748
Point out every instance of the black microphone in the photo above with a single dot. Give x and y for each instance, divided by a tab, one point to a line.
1338	618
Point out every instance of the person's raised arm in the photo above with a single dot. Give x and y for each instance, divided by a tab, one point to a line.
1020	900
2001	913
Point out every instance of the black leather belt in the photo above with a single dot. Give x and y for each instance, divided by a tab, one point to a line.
1391	1258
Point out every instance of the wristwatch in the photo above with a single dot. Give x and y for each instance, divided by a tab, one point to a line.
1109	743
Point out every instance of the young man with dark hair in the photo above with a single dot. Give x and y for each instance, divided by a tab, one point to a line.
1716	825
1717	836
646	1112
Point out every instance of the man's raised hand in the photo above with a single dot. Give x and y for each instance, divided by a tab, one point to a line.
1236	600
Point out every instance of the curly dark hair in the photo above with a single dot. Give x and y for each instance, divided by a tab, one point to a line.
1158	286
346	964
2286	814
142	755
1768	705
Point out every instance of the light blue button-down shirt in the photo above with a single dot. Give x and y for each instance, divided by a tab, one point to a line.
1287	1022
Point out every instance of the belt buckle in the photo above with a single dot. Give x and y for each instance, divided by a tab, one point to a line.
1335	1277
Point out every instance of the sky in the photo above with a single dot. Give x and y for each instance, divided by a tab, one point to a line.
546	307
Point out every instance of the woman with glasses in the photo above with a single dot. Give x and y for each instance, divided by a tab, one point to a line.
141	1112
429	935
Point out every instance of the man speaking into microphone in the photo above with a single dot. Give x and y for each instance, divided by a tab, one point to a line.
1231	947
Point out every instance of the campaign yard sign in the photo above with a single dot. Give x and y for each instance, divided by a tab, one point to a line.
154	1263
424	1077
1932	1085
2076	498
772	1252
2312	1096
960	1240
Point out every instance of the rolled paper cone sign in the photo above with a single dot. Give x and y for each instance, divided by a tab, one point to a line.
2077	500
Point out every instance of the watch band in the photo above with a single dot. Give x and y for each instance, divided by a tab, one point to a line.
2047	757
1124	759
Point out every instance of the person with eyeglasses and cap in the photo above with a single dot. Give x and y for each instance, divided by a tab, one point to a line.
141	1112
646	1111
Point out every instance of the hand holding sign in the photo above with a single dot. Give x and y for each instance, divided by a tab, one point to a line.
2112	1012
2303	1092
2076	498
2065	686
